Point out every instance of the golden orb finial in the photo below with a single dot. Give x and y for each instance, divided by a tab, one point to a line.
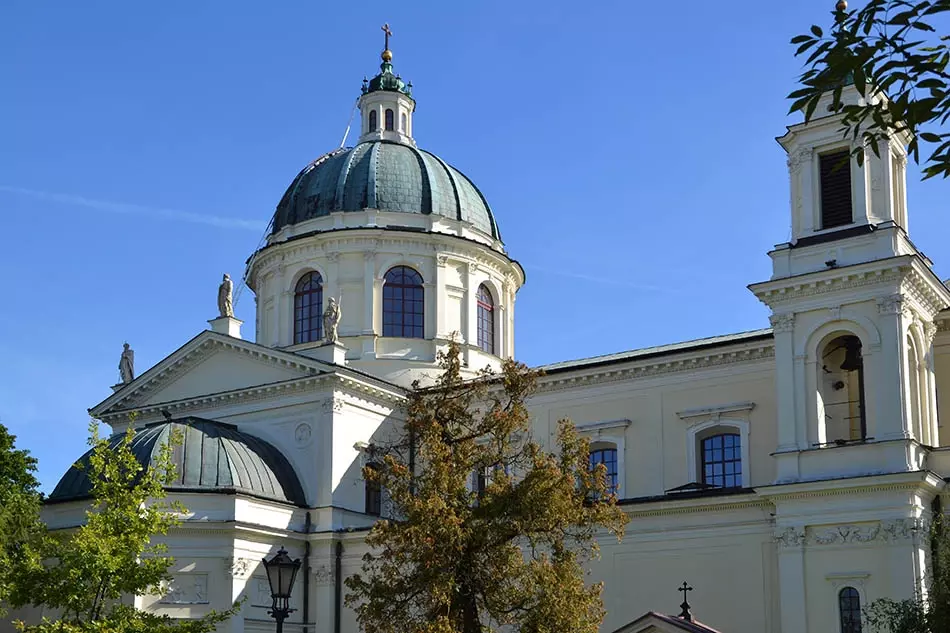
387	55
842	5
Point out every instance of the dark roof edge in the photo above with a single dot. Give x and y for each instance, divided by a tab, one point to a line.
224	490
680	496
632	355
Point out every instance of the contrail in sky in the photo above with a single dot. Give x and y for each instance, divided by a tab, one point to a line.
610	281
135	209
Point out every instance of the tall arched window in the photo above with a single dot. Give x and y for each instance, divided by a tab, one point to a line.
721	460
849	608
372	120
373	494
486	320
403	303
606	454
389	119
308	309
402	123
842	390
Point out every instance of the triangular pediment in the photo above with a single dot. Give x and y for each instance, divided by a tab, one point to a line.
208	364
653	622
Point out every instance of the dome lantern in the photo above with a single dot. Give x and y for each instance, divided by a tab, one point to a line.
386	104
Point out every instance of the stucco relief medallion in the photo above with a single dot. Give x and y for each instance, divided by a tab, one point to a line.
238	567
185	589
323	575
790	537
302	434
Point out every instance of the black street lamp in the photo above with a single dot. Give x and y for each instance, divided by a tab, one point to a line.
281	573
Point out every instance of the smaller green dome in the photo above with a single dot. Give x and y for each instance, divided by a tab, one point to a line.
212	457
386	80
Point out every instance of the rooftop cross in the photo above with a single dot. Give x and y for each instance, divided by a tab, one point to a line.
685	613
386	30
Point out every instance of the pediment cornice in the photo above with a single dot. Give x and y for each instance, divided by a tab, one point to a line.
131	397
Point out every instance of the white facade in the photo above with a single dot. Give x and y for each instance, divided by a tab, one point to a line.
821	499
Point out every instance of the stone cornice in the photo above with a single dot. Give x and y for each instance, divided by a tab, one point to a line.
675	362
715	411
177	408
666	507
908	271
834	487
359	241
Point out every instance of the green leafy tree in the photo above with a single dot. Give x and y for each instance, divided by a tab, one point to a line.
892	48
19	508
930	614
491	530
88	574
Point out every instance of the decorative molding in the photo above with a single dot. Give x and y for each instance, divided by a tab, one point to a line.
889	531
716	412
791	536
891	304
646	369
302	435
238	567
799	158
333	257
185	589
835	312
331	404
591	427
323	574
441	260
782	322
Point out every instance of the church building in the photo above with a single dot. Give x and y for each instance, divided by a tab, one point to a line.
788	474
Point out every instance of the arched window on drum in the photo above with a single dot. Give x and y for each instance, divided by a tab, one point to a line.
308	308
403	303
486	320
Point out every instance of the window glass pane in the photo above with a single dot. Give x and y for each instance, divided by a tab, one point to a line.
721	457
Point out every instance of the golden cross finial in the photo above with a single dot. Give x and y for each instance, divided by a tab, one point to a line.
388	33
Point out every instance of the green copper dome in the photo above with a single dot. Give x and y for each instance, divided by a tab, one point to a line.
386	80
213	457
387	176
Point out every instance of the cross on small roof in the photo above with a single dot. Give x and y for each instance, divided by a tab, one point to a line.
386	30
685	613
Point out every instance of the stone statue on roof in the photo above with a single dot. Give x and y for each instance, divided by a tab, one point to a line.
225	304
127	364
331	319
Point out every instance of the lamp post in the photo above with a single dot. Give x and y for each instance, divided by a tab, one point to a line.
281	573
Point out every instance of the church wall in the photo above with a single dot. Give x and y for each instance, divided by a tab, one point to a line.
724	551
656	420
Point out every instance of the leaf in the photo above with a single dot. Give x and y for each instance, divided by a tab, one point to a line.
930	137
816	30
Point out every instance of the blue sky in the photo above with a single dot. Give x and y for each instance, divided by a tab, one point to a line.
627	149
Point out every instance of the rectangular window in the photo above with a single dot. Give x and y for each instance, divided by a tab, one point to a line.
607	457
721	460
835	175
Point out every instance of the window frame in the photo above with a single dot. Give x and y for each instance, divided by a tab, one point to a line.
485	319
372	495
603	447
298	318
819	181
854	600
373	121
389	120
416	302
701	430
705	448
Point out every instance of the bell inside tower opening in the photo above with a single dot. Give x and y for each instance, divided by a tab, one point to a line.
841	402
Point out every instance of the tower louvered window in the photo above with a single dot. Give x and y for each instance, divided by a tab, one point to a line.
835	173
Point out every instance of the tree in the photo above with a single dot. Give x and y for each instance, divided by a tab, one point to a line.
19	508
492	529
890	49
929	614
87	574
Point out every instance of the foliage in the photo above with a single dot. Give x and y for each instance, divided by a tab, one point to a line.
920	615
86	573
19	507
469	558
892	48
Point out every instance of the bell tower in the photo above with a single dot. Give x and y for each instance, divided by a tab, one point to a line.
386	104
853	304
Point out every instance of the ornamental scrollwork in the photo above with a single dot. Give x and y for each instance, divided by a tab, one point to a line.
782	322
800	158
238	567
791	537
891	304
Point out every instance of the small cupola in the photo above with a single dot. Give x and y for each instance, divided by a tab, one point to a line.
386	104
